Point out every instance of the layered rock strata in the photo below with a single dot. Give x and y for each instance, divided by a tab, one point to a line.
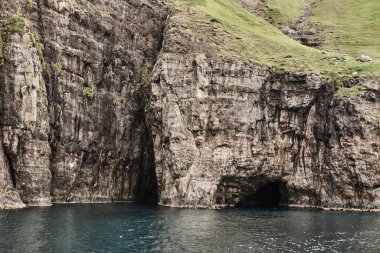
90	111
224	129
73	78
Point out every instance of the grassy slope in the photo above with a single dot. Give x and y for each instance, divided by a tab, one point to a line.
285	11
262	43
355	25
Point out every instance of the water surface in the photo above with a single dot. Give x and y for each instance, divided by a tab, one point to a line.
141	228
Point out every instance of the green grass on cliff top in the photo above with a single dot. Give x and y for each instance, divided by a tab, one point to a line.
259	42
351	26
285	11
354	25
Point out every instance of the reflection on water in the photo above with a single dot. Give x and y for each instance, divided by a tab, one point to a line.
140	228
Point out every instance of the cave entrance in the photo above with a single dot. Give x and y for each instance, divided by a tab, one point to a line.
273	194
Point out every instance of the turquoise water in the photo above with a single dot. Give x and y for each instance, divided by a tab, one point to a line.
140	228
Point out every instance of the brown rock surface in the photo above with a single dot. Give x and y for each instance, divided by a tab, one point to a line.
79	121
224	129
228	133
72	118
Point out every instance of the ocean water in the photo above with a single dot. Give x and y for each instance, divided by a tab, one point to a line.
142	228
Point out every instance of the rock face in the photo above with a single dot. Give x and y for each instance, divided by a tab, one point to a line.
224	129
24	119
9	197
230	133
90	113
101	149
72	114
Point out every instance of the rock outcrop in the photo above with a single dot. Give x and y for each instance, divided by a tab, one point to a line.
224	129
24	116
113	101
73	78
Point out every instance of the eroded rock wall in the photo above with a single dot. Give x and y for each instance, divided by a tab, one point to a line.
24	116
100	56
84	119
223	129
72	113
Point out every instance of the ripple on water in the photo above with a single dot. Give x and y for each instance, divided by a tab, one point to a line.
140	228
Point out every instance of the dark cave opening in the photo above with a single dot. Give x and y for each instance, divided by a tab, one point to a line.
273	194
147	186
